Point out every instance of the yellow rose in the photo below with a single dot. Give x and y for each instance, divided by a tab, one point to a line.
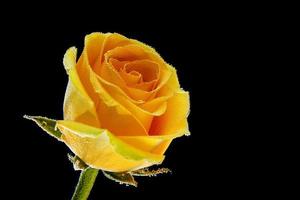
123	104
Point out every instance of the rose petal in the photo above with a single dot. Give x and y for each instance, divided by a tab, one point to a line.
154	107
131	78
174	120
129	52
118	64
109	73
94	43
172	84
112	115
153	144
116	87
103	43
116	116
148	86
133	53
147	68
102	150
158	104
140	96
149	95
170	125
162	147
116	103
133	73
77	104
115	40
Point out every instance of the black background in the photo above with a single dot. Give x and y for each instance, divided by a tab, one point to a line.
35	166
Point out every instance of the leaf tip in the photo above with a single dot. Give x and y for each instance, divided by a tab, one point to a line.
48	125
121	178
150	173
27	117
135	184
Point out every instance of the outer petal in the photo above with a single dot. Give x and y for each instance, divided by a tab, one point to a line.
174	120
102	150
153	144
95	43
172	84
78	106
170	125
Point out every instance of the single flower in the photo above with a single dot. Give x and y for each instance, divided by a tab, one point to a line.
123	105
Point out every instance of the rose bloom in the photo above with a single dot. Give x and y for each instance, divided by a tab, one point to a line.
123	104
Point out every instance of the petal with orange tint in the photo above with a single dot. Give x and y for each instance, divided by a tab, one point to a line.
113	79
108	72
126	53
157	105
162	147
149	72
100	149
140	95
94	45
141	113
110	75
148	86
153	144
145	118
111	41
147	68
172	84
113	115
115	40
152	54
154	107
149	95
118	64
174	120
131	78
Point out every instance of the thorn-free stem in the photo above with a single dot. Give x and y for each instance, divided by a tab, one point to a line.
85	184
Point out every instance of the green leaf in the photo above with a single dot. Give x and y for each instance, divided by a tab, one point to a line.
122	178
148	172
48	125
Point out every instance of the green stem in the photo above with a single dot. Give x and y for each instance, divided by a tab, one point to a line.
85	184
